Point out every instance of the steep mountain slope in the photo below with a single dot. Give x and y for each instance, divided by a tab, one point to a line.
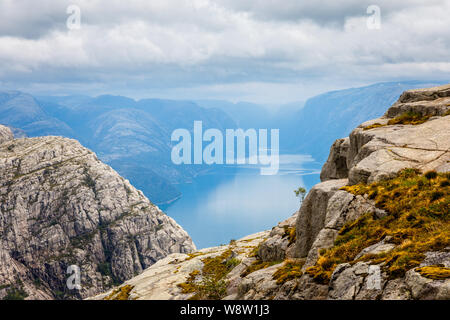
61	206
376	227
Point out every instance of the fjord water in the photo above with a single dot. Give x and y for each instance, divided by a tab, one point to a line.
237	201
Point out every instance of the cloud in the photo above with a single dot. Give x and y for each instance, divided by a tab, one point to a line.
243	47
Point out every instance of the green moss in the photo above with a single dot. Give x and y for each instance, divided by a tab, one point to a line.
418	221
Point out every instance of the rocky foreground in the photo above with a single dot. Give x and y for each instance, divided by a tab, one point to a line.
61	206
369	230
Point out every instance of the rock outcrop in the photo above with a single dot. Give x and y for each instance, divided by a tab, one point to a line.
376	150
61	206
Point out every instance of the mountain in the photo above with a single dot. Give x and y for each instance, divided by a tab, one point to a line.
60	207
334	114
131	136
21	110
376	227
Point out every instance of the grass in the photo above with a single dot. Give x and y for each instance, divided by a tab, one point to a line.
375	125
434	272
418	221
291	269
409	117
122	293
290	233
258	265
209	283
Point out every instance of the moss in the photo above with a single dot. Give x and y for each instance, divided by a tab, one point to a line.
209	283
291	269
418	221
435	272
122	293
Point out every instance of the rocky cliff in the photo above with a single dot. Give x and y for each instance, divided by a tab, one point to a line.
61	206
376	227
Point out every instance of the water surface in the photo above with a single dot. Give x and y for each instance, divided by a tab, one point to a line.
238	201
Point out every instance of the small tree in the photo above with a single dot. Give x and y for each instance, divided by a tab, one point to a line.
300	192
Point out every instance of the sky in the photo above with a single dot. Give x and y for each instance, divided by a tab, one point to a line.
263	51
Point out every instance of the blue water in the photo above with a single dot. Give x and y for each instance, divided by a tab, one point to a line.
238	201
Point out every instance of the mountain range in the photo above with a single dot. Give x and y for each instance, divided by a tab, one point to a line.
133	136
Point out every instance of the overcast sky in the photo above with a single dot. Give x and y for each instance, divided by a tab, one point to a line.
264	51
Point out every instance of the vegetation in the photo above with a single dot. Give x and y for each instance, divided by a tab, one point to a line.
105	269
209	283
418	221
291	269
375	125
291	233
409	117
434	272
15	293
122	293
300	193
258	265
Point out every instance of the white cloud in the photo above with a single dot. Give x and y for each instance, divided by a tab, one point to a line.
195	46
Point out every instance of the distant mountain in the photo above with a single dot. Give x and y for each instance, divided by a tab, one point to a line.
131	136
334	114
134	136
21	110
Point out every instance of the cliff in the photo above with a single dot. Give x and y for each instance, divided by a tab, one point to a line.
61	206
376	227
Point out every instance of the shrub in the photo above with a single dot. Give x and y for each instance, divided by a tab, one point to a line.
431	175
209	283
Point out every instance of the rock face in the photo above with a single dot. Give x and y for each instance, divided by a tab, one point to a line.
61	206
5	134
371	153
380	152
